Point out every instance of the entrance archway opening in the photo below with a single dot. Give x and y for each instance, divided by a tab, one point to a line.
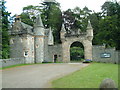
76	52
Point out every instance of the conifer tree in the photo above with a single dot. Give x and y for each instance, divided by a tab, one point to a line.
5	25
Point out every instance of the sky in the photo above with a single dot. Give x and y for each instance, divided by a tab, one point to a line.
15	6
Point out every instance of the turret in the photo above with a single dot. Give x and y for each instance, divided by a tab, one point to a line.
38	26
62	32
50	37
39	32
89	30
22	41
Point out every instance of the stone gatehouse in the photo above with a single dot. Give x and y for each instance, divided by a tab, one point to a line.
36	44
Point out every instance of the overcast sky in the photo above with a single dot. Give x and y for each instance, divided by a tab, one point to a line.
15	6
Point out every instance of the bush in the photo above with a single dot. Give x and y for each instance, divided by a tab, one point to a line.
76	53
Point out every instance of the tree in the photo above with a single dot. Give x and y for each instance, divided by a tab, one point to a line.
109	8
76	18
76	53
95	19
26	19
5	25
107	31
68	19
110	25
51	16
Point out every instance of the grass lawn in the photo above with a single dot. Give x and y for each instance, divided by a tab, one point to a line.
88	77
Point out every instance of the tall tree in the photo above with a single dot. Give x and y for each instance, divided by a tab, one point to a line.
52	17
0	30
95	19
76	18
50	13
110	25
69	19
5	25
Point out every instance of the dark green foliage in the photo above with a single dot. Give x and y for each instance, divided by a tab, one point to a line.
52	17
109	25
76	53
5	36
76	18
26	19
95	18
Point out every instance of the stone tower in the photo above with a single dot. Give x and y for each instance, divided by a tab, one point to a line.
39	33
22	41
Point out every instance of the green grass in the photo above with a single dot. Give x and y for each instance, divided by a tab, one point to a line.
88	77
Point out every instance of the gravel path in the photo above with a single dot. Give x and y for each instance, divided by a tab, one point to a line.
36	76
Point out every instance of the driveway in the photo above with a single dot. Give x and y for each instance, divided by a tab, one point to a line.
36	76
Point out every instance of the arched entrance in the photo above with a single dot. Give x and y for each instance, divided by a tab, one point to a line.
66	48
76	52
84	37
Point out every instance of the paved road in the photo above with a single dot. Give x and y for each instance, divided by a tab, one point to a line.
36	76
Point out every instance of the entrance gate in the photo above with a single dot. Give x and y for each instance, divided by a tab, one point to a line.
84	37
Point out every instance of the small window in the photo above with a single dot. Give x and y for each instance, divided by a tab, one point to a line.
26	53
37	46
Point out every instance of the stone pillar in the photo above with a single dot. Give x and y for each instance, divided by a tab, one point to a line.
66	52
87	49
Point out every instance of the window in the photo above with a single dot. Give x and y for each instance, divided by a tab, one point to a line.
37	46
26	53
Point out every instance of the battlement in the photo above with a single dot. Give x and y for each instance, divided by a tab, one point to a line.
73	34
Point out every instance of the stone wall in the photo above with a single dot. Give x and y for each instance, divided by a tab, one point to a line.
119	57
46	55
55	50
11	61
21	45
106	55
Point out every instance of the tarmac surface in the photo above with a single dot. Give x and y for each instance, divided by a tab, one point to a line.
38	75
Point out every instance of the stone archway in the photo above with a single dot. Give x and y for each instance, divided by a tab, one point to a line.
84	37
76	52
66	48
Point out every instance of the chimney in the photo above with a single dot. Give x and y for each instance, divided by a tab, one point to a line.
17	18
